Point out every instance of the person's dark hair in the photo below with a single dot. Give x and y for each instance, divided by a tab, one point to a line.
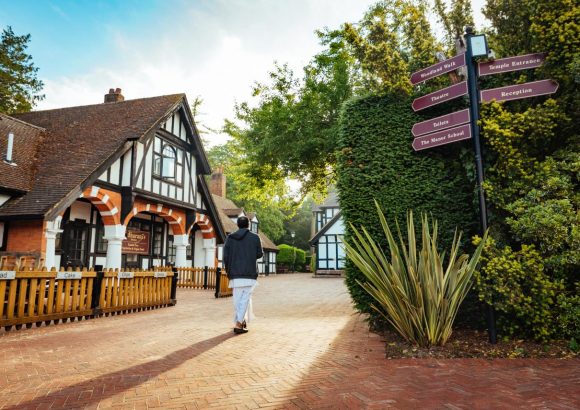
243	222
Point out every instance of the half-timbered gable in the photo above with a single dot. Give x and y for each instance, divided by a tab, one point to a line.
114	184
328	231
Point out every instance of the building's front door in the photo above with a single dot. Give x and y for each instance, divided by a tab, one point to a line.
75	244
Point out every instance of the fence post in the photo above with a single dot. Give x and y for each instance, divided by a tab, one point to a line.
218	277
96	296
174	286
205	272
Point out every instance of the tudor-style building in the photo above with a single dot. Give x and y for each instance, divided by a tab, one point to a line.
327	233
117	184
229	213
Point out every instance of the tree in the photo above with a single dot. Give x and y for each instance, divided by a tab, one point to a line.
292	128
300	223
19	86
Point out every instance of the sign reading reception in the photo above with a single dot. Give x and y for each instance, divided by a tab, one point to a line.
136	242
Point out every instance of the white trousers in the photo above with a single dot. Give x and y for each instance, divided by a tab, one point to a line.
242	296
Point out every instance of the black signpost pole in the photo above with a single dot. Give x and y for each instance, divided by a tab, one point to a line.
474	109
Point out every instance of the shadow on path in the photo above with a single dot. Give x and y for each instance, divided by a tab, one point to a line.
102	387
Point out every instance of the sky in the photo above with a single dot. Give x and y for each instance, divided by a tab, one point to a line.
211	49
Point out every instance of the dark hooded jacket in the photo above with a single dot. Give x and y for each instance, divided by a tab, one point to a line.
241	251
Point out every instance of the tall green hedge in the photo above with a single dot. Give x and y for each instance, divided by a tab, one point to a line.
287	255
376	161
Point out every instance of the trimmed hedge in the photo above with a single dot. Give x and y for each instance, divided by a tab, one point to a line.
376	161
287	255
300	262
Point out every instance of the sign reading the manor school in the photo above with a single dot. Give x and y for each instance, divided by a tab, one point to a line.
136	242
462	132
440	96
505	65
516	92
441	123
437	69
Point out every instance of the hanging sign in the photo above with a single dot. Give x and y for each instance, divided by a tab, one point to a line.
69	275
519	91
441	123
505	65
436	139
136	242
437	97
437	69
7	274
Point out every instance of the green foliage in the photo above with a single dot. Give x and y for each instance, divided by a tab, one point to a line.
266	197
517	285
533	149
454	20
300	262
300	223
377	161
287	255
568	316
374	55
19	87
412	289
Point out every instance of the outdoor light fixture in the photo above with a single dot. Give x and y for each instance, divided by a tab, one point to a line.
478	43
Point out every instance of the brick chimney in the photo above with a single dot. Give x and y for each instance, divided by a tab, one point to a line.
217	185
114	95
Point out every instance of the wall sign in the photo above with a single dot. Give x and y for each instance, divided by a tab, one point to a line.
136	242
126	275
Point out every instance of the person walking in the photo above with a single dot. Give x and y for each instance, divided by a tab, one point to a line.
241	251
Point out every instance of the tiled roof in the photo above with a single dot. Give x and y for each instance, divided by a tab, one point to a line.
26	141
331	201
78	141
230	226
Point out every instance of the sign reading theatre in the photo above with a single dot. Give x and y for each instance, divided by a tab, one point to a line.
136	242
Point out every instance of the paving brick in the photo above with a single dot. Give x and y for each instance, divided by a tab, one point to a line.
306	350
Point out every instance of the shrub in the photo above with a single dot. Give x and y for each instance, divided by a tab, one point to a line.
518	287
286	256
413	290
300	260
376	160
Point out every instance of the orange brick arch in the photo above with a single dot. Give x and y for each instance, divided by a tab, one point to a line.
207	229
174	217
108	203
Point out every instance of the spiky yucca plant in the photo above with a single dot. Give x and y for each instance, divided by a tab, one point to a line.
412	289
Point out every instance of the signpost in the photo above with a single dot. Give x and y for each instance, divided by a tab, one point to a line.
505	65
437	69
516	92
463	132
437	97
462	125
441	123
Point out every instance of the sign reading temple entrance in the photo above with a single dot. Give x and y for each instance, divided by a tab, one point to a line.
136	242
505	65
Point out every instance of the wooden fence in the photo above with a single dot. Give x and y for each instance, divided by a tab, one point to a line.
133	290
36	297
196	278
222	285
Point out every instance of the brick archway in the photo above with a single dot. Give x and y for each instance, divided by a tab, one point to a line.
204	223
175	218
104	201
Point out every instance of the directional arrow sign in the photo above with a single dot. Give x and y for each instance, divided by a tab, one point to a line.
441	123
504	65
516	92
440	96
437	69
436	139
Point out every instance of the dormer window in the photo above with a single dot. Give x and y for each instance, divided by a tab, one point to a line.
167	162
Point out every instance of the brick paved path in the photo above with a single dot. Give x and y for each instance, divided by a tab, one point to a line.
307	350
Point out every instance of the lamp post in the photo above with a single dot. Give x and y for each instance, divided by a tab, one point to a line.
476	46
293	234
